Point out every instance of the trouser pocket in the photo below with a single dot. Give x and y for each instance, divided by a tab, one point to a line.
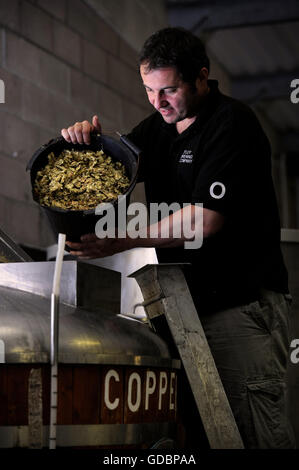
269	427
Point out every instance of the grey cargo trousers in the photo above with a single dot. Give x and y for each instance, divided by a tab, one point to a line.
250	347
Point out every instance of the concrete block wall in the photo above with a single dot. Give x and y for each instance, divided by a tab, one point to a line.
61	62
135	20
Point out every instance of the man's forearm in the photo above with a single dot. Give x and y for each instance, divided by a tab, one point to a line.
172	231
188	226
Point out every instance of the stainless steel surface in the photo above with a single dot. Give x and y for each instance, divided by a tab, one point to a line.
94	337
90	335
82	284
10	252
126	263
91	435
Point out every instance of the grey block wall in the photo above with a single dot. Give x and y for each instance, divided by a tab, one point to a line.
61	63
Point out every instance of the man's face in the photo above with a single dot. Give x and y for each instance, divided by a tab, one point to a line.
169	95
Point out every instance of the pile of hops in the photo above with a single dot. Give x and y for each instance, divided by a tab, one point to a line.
79	180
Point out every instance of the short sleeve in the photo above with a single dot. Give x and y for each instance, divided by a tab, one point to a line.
224	178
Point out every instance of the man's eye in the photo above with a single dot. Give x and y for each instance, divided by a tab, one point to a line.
171	92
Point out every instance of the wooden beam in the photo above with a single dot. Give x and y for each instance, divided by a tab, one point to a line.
166	293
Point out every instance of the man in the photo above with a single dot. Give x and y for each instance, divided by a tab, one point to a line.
200	146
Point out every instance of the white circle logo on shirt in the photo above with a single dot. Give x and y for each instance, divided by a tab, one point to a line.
215	185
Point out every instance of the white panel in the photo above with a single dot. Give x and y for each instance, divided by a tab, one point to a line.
2	351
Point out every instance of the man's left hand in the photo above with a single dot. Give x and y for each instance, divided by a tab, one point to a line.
93	247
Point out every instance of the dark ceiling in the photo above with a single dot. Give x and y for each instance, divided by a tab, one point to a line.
257	44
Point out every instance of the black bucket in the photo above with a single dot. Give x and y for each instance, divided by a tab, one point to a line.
76	223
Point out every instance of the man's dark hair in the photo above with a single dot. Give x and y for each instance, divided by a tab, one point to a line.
175	47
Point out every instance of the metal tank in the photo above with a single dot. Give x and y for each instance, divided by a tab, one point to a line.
116	379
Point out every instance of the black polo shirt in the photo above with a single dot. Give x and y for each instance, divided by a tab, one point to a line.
223	160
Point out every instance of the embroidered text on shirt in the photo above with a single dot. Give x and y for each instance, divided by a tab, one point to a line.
186	157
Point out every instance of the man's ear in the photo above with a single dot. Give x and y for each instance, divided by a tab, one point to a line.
201	82
203	74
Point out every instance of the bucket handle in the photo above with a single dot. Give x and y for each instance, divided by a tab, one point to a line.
125	140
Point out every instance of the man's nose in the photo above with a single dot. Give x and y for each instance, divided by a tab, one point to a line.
159	101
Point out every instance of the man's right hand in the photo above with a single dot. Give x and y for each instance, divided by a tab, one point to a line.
80	132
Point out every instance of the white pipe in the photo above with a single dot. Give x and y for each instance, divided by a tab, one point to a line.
2	351
58	264
54	339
